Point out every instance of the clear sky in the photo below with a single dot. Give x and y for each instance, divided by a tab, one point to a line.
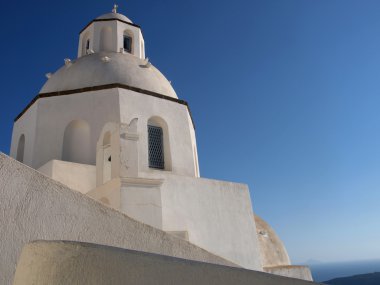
285	96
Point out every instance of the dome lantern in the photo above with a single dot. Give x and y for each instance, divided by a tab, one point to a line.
111	32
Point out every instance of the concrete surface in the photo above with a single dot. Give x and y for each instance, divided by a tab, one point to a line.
91	70
61	263
98	108
34	207
272	250
216	214
294	271
80	177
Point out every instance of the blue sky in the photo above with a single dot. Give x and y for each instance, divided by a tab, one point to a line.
285	96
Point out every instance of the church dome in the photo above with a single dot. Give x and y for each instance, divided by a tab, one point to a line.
105	68
273	251
118	16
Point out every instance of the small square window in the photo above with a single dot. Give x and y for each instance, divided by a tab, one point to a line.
127	44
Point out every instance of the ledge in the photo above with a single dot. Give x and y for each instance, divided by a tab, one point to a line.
104	87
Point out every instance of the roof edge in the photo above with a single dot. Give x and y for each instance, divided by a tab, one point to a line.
104	87
106	20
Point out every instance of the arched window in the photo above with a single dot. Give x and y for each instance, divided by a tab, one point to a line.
87	46
156	147
76	142
107	157
158	144
85	43
21	148
127	41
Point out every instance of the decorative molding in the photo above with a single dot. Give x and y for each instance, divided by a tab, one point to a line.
130	136
140	182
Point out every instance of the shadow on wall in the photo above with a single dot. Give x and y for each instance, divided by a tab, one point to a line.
76	142
21	148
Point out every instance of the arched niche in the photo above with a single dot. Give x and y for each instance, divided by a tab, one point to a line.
106	39
142	50
76	142
158	122
107	150
21	148
107	157
85	43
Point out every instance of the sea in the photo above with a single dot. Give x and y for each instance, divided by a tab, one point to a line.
327	271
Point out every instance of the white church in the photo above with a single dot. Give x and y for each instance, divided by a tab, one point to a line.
104	161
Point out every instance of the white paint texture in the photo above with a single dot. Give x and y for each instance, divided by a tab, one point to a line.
80	177
28	127
98	108
216	214
35	207
179	134
91	70
273	251
44	136
59	263
293	271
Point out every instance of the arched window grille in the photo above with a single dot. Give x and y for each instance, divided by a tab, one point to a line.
156	147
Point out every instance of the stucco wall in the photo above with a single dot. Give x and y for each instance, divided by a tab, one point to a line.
80	177
98	108
294	271
177	119
34	207
272	249
26	126
217	215
55	114
46	263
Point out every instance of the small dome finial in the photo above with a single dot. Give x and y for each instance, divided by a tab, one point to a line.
115	6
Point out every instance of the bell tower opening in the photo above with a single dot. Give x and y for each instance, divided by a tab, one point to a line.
127	42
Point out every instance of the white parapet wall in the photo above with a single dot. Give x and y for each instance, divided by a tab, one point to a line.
77	176
216	214
35	207
59	262
294	271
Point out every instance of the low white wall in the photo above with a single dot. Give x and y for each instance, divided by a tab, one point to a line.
108	194
46	263
80	177
217	215
293	271
34	207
